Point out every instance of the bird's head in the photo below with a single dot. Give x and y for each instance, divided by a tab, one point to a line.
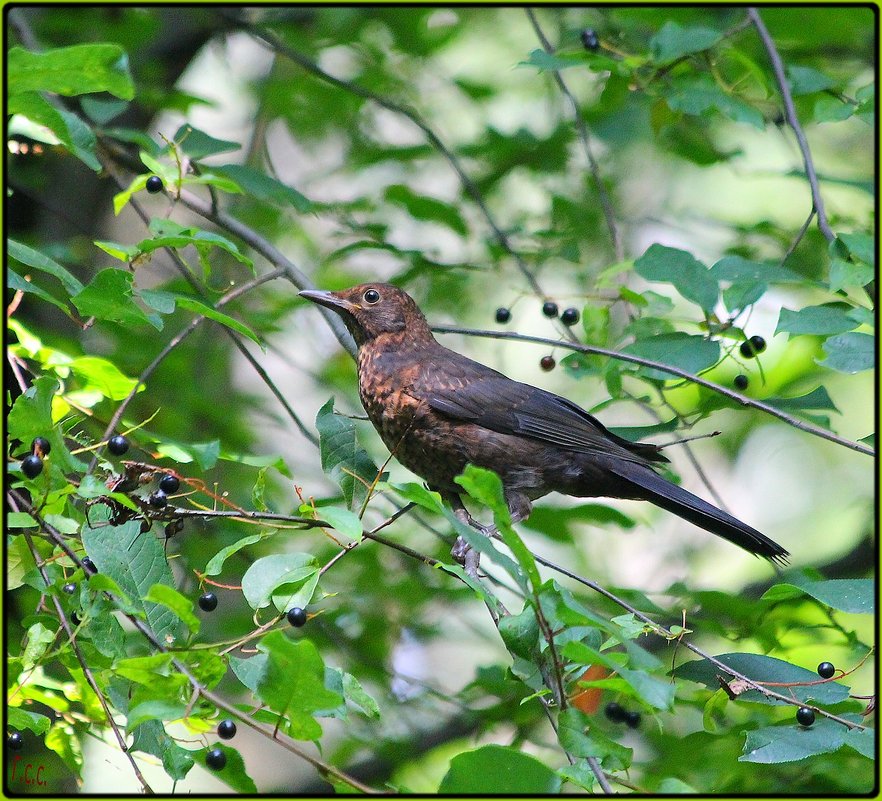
370	310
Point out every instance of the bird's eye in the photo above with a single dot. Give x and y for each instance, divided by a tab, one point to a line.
371	296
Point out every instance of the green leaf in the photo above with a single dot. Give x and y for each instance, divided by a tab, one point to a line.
198	144
677	267
216	563
774	744
425	208
40	111
498	770
357	695
191	304
20	719
829	318
71	71
863	741
803	684
818	398
83	140
860	246
63	741
740	270
293	683
39	261
169	234
805	80
31	416
580	737
18	284
154	710
698	94
850	353
38	639
848	595
485	486
103	376
136	562
342	520
109	296
689	352
673	42
844	273
343	459
652	690
548	62
180	605
418	494
263	187
151	738
234	774
265	576
831	109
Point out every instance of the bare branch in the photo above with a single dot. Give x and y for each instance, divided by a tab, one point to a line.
793	121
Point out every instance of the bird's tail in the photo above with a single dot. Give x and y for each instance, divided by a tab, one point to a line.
652	487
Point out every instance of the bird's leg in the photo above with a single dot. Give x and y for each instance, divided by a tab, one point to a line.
462	552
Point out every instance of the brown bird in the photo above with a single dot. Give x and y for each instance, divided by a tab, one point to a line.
438	411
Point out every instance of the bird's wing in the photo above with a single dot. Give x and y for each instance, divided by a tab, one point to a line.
474	393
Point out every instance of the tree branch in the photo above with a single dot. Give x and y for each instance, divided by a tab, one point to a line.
793	121
585	138
627	357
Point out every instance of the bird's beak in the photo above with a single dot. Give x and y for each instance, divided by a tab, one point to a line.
329	299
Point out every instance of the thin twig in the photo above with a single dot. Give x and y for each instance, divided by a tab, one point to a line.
793	121
283	740
169	347
410	114
627	357
585	137
87	671
663	631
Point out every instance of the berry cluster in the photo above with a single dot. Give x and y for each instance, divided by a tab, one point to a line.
569	317
32	465
618	714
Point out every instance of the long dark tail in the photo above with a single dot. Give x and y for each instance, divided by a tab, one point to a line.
655	489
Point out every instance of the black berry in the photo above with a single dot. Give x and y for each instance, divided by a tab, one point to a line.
118	445
89	565
158	499
41	446
740	381
15	741
615	712
32	465
226	729
547	363
70	588
758	343
805	716
569	316
216	759
503	315
589	39
296	616
826	670
154	184
549	308
632	719
208	602
169	484
746	349
75	618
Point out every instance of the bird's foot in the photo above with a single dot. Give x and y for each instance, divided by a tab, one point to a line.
462	552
